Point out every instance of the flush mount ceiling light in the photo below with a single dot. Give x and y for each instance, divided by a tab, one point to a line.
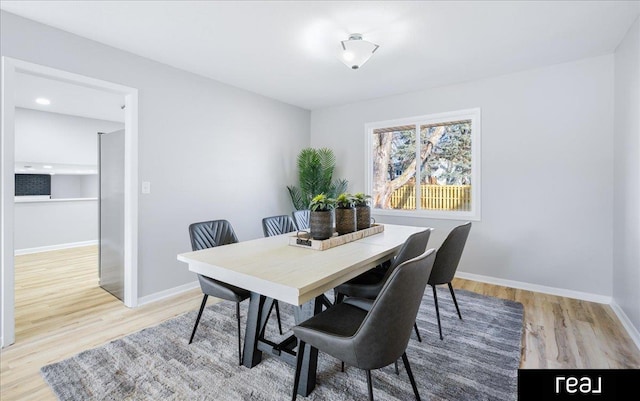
43	101
356	52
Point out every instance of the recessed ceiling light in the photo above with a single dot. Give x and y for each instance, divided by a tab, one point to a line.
43	101
47	166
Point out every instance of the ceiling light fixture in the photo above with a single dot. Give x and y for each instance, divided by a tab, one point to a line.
356	52
43	101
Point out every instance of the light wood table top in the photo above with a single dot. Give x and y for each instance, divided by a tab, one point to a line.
273	268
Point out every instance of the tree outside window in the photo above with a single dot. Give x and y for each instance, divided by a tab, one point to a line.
426	165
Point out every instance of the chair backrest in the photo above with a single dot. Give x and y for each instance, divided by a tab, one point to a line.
448	255
384	333
413	246
276	225
207	234
301	219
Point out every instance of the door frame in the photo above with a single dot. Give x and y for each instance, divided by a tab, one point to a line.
10	67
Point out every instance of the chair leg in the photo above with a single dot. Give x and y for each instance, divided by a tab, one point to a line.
342	366
396	366
339	297
325	301
405	360
278	316
202	305
435	300
415	327
369	385
296	380
239	334
454	300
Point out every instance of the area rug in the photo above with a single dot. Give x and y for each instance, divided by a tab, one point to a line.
477	360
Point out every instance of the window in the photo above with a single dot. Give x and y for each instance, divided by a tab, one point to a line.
425	166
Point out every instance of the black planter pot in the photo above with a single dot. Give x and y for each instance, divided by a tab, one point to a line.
345	220
363	217
321	224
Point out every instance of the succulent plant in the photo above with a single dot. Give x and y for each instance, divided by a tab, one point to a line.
345	200
361	199
322	202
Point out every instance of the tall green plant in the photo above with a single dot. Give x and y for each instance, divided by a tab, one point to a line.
315	176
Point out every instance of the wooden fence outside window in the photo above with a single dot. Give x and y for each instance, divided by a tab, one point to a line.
433	197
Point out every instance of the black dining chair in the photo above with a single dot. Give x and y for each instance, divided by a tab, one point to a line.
377	335
208	234
414	245
447	260
301	219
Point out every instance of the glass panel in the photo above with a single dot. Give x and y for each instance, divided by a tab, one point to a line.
394	168
445	178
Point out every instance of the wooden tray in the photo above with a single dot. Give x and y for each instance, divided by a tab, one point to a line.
302	238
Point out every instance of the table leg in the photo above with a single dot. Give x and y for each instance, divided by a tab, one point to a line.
251	356
310	360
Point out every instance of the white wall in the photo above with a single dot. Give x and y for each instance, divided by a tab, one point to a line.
546	170
58	138
209	150
51	224
74	186
626	215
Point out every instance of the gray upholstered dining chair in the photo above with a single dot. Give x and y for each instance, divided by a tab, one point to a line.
301	219
444	268
276	225
412	247
376	336
208	234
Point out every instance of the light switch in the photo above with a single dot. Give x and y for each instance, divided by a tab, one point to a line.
146	187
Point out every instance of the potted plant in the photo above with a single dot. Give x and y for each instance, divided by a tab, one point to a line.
321	216
345	214
363	210
315	176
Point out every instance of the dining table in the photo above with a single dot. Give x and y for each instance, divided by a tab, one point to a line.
275	268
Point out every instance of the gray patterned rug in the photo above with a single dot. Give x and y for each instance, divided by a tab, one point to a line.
477	360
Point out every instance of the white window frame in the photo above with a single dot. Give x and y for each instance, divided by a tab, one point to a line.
439	118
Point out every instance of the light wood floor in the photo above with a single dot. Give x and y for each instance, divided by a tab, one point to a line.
60	311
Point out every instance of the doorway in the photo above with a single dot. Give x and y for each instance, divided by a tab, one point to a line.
10	68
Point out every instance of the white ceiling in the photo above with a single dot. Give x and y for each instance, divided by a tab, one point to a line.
287	49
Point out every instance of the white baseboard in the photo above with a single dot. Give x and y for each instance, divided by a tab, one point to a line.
562	292
167	293
27	251
626	322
